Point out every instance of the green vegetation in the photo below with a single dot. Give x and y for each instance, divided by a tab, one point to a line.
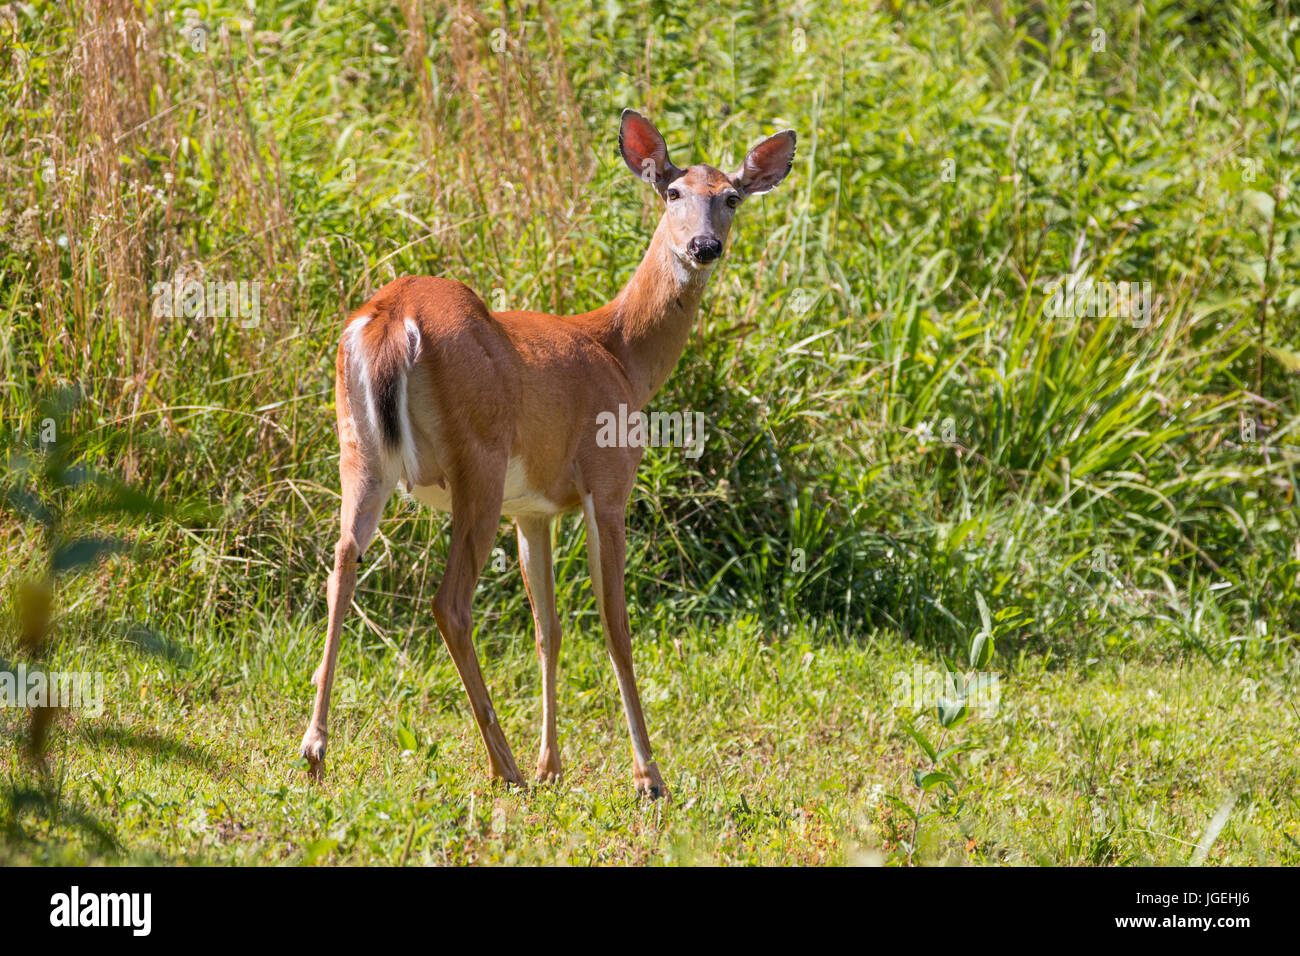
910	457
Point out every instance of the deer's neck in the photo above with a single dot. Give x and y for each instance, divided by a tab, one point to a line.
646	325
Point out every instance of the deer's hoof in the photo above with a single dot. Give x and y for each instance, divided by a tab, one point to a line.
650	784
513	781
509	776
313	751
548	766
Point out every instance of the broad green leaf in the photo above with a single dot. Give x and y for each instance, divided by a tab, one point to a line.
919	738
947	752
985	619
406	738
961	532
951	712
931	778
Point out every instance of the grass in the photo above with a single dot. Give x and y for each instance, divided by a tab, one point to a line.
898	427
779	751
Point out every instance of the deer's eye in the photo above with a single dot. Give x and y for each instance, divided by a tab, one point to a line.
733	200
674	193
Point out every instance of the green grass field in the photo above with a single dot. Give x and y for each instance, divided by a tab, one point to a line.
912	455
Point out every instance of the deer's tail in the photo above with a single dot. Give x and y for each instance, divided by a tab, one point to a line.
381	351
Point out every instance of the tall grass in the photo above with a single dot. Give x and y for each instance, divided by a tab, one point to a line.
895	420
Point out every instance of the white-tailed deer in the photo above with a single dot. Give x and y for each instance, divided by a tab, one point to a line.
485	414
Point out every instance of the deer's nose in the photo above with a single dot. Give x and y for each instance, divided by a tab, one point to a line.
704	248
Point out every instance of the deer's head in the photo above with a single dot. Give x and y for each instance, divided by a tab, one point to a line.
700	201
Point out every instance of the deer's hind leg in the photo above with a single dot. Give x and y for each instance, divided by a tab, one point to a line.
476	496
365	492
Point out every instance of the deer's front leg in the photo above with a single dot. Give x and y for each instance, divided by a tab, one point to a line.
539	579
606	554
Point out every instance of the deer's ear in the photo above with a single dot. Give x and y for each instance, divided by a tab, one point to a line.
645	151
766	164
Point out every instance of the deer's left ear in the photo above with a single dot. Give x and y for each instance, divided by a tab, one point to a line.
766	164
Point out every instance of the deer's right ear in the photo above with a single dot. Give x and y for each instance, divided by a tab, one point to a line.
645	151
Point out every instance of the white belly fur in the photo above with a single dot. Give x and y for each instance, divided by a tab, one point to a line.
518	498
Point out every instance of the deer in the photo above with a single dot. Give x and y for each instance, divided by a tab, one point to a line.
488	415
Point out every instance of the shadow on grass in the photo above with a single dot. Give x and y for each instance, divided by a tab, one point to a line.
167	748
28	817
37	820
